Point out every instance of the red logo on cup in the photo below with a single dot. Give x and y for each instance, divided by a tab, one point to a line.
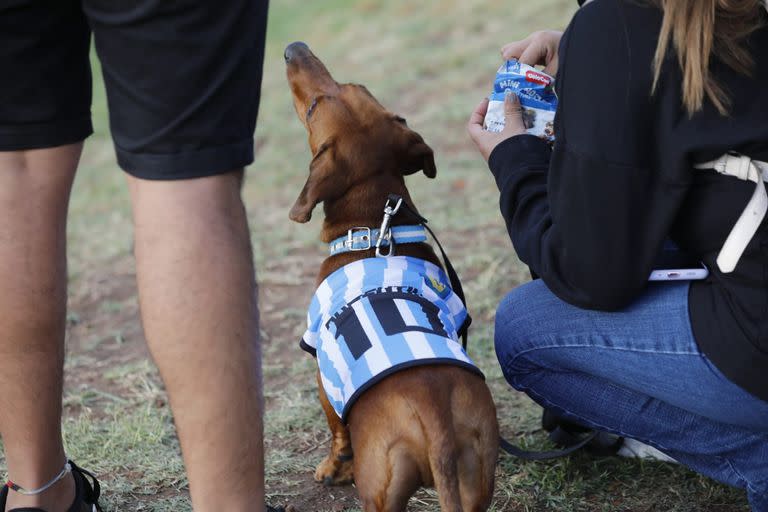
537	78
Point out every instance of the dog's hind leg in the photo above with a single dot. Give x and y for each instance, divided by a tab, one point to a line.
337	467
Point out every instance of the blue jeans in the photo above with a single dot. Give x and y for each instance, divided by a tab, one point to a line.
636	373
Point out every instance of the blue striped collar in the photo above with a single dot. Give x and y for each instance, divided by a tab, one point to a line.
363	238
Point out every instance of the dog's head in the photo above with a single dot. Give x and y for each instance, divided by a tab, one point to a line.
351	135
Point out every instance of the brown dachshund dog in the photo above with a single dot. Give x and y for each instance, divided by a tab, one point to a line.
421	426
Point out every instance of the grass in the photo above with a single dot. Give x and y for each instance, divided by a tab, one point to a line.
430	61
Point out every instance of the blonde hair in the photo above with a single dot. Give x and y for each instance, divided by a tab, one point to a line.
698	30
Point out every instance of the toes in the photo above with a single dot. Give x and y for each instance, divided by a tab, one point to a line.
333	472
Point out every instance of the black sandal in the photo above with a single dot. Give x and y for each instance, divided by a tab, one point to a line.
86	493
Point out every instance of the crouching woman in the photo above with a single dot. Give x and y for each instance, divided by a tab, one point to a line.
660	133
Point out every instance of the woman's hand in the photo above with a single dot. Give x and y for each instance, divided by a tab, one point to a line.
538	49
513	125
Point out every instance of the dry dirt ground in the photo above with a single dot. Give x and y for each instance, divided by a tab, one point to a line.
108	371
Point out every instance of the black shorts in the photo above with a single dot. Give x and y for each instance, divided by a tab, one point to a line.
182	79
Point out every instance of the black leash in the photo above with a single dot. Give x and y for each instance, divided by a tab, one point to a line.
571	436
598	444
545	455
453	277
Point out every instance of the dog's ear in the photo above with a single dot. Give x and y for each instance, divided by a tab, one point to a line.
418	156
319	186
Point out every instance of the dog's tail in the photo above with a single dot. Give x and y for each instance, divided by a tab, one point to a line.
443	460
463	444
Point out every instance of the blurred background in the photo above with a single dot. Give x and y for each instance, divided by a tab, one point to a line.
432	62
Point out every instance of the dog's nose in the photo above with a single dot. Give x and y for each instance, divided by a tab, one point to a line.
293	49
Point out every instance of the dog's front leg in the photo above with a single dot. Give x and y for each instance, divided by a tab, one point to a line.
336	468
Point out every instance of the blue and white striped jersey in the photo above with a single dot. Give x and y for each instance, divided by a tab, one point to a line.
376	316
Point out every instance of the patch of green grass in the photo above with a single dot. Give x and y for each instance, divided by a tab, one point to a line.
136	450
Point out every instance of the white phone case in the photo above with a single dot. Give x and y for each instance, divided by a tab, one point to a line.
679	274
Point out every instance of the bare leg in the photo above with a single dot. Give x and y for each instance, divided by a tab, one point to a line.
34	194
198	301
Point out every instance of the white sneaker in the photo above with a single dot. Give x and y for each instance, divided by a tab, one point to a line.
635	449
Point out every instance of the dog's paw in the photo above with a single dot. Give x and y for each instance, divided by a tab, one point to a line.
333	471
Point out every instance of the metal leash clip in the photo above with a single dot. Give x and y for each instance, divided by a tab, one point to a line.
385	233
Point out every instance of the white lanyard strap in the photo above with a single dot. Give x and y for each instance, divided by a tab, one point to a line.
744	168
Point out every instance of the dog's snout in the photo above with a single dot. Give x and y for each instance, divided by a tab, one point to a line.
295	49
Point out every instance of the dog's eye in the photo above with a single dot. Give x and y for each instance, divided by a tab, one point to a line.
400	120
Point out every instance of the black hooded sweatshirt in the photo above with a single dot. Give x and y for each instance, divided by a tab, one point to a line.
589	215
